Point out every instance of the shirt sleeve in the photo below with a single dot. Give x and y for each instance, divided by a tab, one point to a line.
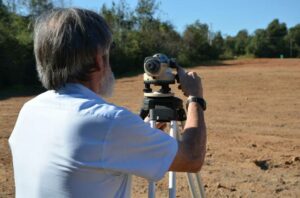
133	147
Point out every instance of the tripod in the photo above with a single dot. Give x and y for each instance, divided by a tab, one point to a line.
170	109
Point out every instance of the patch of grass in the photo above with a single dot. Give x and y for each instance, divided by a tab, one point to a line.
246	56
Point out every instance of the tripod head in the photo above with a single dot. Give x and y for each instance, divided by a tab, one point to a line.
158	72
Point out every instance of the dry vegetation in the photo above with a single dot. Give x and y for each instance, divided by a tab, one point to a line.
253	122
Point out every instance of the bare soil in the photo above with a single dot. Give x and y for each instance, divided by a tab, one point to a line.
253	126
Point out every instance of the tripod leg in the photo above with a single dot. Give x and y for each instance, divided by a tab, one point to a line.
172	184
195	185
172	175
191	185
151	186
200	184
151	189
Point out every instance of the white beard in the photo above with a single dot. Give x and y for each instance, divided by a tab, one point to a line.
107	84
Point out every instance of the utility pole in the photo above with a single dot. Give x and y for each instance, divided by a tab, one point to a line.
291	48
210	33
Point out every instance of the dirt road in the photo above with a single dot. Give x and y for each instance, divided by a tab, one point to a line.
253	125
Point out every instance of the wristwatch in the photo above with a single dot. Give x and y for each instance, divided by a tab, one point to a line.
200	101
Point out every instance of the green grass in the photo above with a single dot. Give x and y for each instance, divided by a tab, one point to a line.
246	56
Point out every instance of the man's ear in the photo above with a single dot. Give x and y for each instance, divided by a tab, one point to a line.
100	64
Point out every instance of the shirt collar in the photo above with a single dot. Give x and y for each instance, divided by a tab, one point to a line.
78	90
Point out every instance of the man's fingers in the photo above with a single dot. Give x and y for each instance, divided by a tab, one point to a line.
192	74
161	125
181	72
147	119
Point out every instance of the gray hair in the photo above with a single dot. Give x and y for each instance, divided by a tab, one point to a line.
66	42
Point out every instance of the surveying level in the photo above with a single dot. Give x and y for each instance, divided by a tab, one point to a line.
163	106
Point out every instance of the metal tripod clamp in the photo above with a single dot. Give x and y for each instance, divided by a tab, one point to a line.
163	109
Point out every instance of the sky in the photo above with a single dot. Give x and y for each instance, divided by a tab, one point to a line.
227	16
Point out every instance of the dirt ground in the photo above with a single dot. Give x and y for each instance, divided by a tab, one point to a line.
253	126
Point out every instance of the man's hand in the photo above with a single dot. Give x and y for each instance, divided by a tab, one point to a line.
159	125
190	83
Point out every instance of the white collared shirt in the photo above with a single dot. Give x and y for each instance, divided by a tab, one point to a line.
72	143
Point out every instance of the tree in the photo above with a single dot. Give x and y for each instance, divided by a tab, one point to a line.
241	42
259	44
217	46
276	29
229	45
146	9
276	32
293	40
16	49
37	7
121	21
196	44
138	34
170	40
271	41
11	5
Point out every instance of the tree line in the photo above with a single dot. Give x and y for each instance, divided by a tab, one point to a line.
138	33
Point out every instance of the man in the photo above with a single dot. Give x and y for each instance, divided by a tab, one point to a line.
69	142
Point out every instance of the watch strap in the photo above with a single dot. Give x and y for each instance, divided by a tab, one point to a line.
198	100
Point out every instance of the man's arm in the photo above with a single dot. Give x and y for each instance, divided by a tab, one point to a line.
191	149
